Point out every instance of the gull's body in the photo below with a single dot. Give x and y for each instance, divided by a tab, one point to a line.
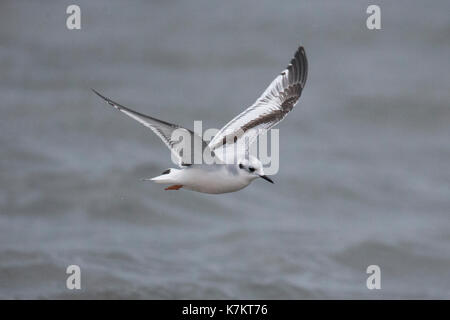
215	178
270	108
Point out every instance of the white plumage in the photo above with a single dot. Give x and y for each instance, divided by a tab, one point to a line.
269	109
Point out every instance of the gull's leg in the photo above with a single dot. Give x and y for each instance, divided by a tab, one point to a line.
174	187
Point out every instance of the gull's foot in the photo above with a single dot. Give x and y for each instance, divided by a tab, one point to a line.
174	187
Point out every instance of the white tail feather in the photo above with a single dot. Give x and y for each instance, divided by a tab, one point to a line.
169	177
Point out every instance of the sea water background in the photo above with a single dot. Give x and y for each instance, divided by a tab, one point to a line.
365	155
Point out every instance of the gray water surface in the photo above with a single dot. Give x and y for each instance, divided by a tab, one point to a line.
365	155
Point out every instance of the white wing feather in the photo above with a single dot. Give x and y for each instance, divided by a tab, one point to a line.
271	107
164	130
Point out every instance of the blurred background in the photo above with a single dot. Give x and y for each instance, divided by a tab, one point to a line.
364	160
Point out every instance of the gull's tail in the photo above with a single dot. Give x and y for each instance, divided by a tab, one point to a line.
168	176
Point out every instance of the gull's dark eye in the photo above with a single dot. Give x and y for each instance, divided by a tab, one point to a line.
241	166
251	169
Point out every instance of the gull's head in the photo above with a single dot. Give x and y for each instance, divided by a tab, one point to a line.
252	168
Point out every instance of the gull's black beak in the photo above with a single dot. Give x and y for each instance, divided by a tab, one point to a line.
266	178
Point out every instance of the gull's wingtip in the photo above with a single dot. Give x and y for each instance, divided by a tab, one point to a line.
301	51
108	101
97	93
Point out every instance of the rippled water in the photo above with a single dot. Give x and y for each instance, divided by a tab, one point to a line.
365	155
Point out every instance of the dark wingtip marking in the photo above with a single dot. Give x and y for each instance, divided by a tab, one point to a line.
108	101
101	96
166	172
97	93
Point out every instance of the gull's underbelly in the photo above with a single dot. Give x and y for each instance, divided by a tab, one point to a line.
213	182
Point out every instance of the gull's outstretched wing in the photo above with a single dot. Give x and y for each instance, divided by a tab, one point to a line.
165	131
270	108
